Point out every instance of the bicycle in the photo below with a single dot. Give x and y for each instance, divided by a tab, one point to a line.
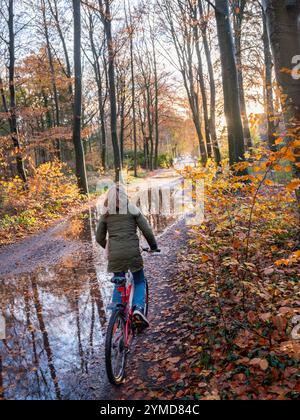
121	329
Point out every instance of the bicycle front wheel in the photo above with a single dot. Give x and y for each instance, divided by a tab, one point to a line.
115	349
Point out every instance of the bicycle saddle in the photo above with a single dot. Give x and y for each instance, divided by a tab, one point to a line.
118	279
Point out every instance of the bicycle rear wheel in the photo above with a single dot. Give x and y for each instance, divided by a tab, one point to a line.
115	349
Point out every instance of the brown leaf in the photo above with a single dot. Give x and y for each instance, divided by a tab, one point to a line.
252	317
174	359
264	364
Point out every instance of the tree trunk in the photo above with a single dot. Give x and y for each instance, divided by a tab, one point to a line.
6	110
52	4
194	104
53	78
238	20
230	84
148	109
101	100
122	121
79	152
143	131
12	91
55	14
284	33
150	126
133	108
212	85
202	83
156	113
193	98
185	59
133	96
269	106
106	17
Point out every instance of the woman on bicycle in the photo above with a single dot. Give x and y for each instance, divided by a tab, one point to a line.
120	221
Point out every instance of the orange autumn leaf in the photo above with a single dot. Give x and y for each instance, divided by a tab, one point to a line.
293	185
281	262
204	258
279	140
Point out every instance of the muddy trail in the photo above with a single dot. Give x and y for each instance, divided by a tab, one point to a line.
54	293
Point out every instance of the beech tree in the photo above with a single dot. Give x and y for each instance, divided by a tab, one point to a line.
230	83
10	107
97	46
238	7
131	32
268	85
177	23
212	85
104	7
78	147
284	33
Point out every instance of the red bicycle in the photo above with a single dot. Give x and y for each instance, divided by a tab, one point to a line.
122	328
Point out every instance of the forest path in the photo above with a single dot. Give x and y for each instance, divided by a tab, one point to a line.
47	247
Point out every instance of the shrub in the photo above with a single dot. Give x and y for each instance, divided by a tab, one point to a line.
129	159
49	194
165	160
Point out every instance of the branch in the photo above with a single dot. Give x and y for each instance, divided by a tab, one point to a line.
211	4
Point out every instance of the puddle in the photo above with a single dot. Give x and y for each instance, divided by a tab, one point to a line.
55	322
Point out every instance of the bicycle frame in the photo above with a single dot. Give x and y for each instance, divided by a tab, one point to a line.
126	291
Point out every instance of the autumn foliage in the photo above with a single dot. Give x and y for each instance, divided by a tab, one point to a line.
238	282
50	194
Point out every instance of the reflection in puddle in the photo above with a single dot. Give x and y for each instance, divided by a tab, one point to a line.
55	322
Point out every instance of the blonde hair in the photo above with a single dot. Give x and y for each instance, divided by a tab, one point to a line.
116	201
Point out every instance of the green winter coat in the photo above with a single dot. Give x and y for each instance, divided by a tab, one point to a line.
123	243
